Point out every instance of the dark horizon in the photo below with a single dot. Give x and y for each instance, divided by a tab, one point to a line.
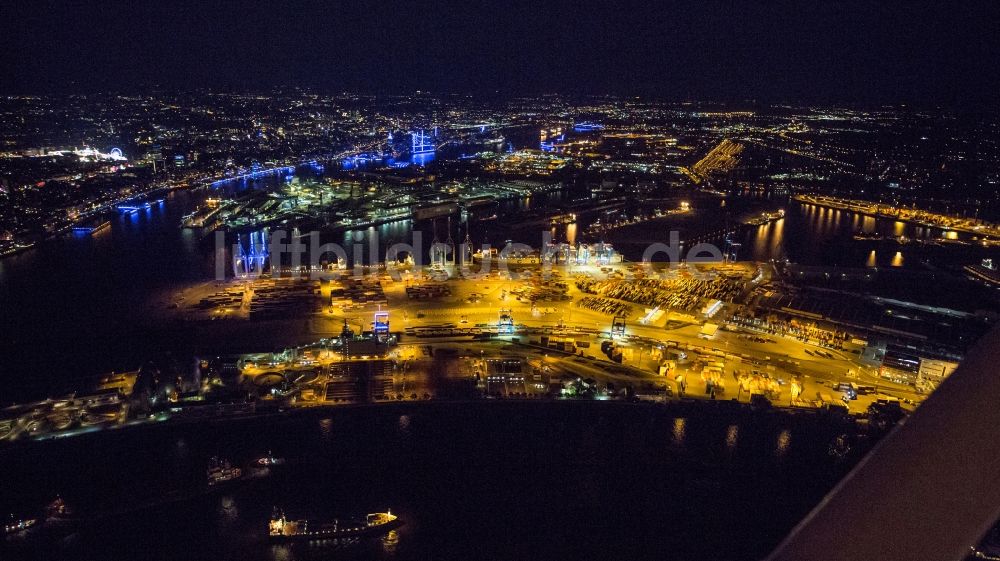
845	52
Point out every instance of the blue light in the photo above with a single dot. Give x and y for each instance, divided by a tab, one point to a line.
587	127
252	261
362	159
421	143
257	172
422	158
134	208
382	323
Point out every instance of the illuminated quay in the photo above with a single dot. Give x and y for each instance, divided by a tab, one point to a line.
988	231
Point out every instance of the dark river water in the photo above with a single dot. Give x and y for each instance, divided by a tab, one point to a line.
495	480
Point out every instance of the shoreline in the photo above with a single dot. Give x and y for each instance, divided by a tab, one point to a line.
686	404
856	206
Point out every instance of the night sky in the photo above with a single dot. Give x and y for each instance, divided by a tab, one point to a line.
850	51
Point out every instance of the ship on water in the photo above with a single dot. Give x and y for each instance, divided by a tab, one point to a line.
372	525
221	471
18	525
269	460
567	218
987	272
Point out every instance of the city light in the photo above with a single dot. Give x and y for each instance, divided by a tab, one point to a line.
592	283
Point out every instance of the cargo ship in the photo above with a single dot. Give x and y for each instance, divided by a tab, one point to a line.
375	524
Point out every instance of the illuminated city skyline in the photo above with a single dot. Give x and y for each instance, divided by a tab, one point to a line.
512	280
